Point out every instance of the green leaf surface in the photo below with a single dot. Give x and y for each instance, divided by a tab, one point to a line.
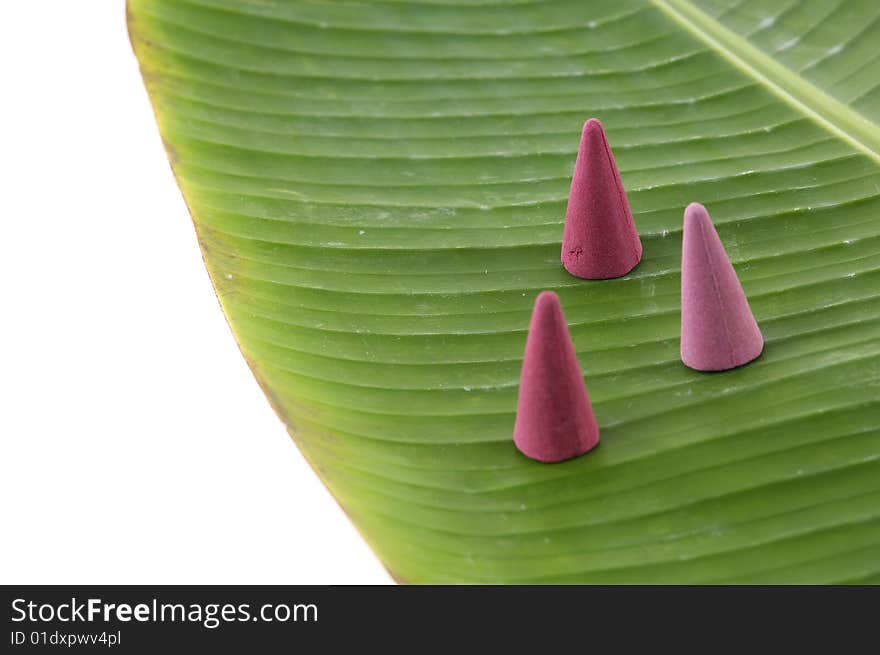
379	190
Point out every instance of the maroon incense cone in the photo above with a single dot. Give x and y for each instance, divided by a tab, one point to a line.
554	418
718	330
600	240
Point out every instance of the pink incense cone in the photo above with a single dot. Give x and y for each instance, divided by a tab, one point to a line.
600	240
554	418
718	330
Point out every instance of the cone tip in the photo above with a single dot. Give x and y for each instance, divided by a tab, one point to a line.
593	124
695	212
546	299
593	132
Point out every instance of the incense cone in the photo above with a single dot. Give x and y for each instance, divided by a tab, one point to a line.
554	418
718	330
600	240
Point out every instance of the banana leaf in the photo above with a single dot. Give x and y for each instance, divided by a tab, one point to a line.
379	187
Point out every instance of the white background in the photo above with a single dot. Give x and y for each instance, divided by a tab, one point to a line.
136	446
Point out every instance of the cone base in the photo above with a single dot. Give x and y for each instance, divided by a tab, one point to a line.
701	364
563	456
580	267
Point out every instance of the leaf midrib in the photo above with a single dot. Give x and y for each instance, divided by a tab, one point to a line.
832	114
